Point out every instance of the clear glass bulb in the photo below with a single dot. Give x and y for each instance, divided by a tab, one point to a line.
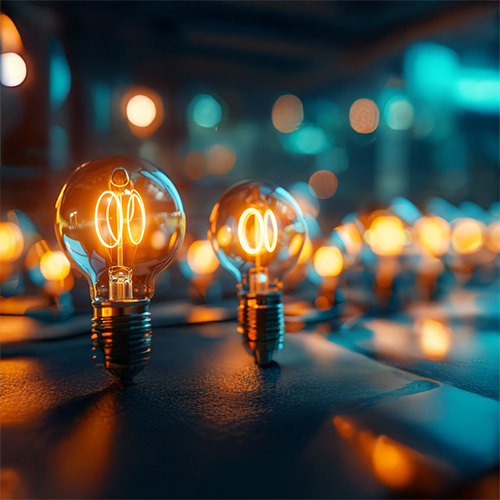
257	231
120	221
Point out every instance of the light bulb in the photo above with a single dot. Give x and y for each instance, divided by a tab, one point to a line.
257	231
120	221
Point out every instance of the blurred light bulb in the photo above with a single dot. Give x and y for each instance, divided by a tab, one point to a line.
141	110
328	261
11	242
201	258
433	235
386	235
111	217
467	236
253	229
12	69
54	266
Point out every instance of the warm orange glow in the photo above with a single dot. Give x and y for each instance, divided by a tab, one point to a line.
387	235
220	160
364	116
493	239
141	111
13	69
287	114
392	463
195	165
54	266
328	261
201	257
262	237
10	40
435	338
323	184
467	236
433	234
133	204
345	426
11	242
306	251
224	236
322	303
350	235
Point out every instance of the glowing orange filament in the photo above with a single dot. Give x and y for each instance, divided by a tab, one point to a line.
261	234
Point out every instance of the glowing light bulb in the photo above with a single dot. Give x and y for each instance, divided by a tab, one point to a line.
141	110
257	231
120	221
433	235
328	261
386	235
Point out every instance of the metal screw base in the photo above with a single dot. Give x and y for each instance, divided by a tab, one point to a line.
121	333
262	323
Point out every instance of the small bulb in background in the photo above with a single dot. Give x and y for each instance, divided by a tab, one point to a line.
251	229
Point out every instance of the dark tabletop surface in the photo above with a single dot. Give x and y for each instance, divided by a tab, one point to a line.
356	411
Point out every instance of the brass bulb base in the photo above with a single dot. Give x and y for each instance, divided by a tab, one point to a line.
262	323
121	334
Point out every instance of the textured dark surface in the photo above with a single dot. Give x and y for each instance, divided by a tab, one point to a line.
203	421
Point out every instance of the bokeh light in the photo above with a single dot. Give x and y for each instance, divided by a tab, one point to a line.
54	266
195	165
141	111
399	113
206	111
433	235
493	239
220	160
467	236
11	242
288	113
13	69
435	338
307	140
328	261
10	40
323	184
364	116
201	258
351	237
386	235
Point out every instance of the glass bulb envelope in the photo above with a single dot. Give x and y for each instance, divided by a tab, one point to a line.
120	221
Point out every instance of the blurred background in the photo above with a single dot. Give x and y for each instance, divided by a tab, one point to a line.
345	104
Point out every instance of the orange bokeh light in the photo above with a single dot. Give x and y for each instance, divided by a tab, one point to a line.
323	184
493	239
143	108
364	116
433	235
11	242
54	266
467	236
10	40
201	257
288	113
435	338
328	261
386	235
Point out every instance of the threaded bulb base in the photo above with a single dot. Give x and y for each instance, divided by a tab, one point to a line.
262	323
121	334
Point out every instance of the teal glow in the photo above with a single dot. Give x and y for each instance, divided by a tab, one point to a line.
431	70
59	75
101	106
479	90
399	113
308	140
59	147
206	111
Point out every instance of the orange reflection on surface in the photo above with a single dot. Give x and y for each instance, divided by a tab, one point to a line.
11	242
435	338
392	463
83	458
467	236
386	235
433	234
10	40
328	261
201	257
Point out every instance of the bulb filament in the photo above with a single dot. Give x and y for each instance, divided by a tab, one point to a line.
262	235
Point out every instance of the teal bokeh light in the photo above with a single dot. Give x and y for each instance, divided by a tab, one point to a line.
399	113
308	140
205	111
59	75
